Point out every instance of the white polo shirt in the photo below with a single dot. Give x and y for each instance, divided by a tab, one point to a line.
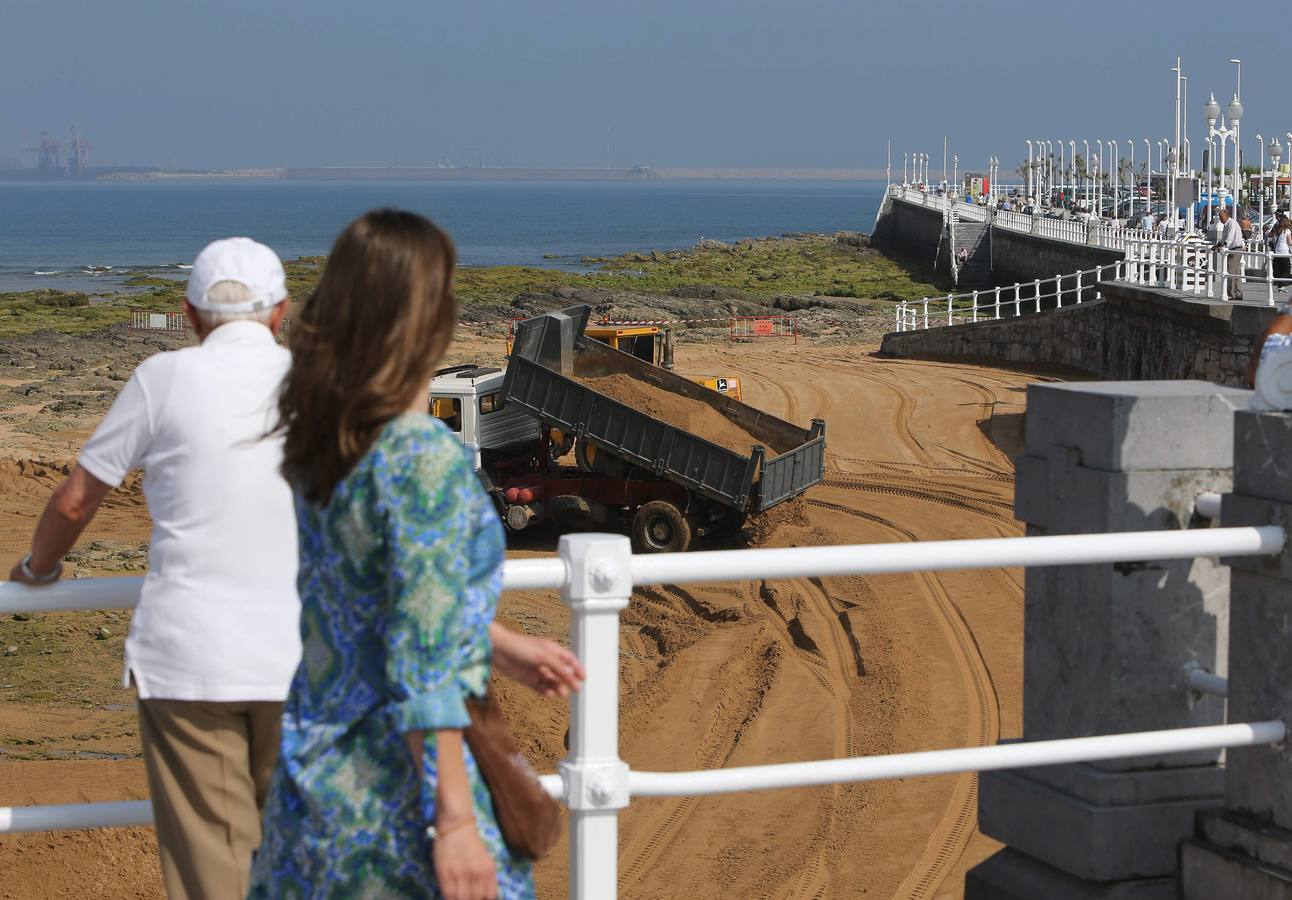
219	617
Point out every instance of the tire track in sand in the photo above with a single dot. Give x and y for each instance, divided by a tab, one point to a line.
950	838
814	882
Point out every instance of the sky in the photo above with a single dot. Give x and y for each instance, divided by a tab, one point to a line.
745	83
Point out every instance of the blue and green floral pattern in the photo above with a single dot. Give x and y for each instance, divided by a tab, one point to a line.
399	579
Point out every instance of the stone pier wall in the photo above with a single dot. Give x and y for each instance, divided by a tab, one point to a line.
1132	334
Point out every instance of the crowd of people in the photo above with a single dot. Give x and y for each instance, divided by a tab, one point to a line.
323	575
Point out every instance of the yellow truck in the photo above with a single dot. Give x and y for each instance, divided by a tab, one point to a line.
654	345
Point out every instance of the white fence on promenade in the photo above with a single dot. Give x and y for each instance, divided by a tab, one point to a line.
1004	302
1091	233
595	574
1191	267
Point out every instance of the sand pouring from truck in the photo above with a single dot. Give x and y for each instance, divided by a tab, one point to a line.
661	457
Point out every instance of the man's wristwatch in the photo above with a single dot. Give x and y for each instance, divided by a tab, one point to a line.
47	578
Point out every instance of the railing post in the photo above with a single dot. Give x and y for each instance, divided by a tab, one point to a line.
1100	658
599	585
949	307
1243	849
998	301
1079	283
1037	293
1018	302
975	306
926	313
1269	278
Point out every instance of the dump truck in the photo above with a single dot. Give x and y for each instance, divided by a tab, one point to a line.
663	484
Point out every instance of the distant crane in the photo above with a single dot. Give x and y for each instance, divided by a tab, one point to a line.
77	153
47	156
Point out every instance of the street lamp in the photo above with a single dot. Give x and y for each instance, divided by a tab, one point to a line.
955	173
1173	212
1099	184
1235	112
1134	179
1086	179
1260	199
1114	158
1276	153
1029	169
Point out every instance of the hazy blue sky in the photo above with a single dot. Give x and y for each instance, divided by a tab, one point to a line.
705	82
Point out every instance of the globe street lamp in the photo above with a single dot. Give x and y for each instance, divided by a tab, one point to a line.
1235	112
1224	133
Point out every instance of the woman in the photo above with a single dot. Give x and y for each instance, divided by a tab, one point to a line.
376	793
1280	243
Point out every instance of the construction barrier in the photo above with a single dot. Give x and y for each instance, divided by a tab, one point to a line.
143	320
747	328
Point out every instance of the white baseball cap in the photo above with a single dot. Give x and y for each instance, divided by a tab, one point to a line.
245	261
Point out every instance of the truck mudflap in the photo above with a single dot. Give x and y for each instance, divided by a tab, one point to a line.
792	473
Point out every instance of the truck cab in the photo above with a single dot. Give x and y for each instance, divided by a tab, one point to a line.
468	399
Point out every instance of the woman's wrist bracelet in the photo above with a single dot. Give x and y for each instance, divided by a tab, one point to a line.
47	578
434	832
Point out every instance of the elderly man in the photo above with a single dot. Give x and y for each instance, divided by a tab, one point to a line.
215	639
1230	238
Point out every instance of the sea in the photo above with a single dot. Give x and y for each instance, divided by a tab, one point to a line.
91	236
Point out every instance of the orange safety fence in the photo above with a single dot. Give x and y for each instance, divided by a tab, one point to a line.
747	328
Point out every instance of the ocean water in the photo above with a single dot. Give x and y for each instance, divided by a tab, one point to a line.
84	236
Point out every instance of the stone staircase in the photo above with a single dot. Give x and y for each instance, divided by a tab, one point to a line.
975	239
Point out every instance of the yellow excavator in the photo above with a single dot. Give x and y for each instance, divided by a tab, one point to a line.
653	345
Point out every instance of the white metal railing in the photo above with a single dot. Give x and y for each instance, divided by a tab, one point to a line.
1094	232
1006	301
1193	267
596	573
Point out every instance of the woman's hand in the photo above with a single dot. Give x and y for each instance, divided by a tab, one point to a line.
542	665
463	867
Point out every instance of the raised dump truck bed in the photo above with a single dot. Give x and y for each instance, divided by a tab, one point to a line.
553	374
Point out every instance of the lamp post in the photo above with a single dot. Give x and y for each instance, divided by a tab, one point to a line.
1114	162
1224	133
1147	187
1029	169
904	155
1276	153
1086	174
1059	173
1260	190
1049	171
955	173
1235	112
1134	179
1173	212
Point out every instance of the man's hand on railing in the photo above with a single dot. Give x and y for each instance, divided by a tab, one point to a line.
539	664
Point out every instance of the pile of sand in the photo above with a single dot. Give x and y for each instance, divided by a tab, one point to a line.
694	416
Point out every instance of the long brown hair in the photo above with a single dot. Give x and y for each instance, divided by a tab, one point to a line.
367	340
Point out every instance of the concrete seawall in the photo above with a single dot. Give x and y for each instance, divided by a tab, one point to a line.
1132	334
920	232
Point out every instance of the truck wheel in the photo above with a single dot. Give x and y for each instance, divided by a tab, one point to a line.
660	527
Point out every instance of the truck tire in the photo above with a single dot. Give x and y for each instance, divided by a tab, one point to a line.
660	527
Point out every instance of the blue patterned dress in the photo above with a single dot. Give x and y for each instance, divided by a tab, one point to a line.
399	579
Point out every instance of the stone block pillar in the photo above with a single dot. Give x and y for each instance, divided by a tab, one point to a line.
1106	645
1244	851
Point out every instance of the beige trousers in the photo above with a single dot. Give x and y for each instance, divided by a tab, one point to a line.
1234	266
208	772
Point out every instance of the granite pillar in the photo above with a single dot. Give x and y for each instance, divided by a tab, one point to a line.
1105	646
1244	850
